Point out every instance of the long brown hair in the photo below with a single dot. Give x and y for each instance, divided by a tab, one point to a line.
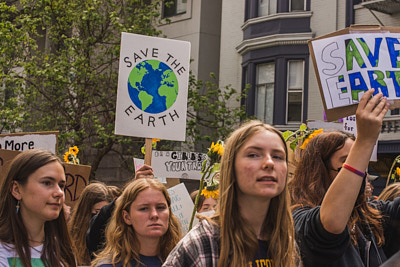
122	244
79	224
236	235
312	180
57	249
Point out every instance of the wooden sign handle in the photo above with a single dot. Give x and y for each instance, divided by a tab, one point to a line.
148	149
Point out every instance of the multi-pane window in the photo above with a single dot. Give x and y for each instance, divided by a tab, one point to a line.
295	90
174	7
266	7
297	5
264	104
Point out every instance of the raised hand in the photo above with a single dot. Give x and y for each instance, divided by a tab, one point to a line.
369	116
145	171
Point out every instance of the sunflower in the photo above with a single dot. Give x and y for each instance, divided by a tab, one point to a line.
215	152
311	136
210	169
66	157
71	155
213	193
74	150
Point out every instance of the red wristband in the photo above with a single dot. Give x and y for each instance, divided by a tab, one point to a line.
359	173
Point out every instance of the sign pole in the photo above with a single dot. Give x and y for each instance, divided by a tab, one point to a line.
148	148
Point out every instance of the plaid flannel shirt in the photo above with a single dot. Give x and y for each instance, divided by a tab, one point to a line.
200	247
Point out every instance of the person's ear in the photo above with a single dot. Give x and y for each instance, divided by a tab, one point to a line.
126	217
15	190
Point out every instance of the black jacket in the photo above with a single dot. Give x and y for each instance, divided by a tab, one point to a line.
95	236
321	248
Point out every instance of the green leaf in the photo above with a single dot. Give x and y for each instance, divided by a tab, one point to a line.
303	127
293	145
286	134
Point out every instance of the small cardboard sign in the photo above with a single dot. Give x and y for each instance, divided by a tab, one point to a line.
6	156
152	87
353	60
25	141
178	164
181	205
77	176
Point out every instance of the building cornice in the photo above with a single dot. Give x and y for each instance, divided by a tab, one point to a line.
273	40
286	15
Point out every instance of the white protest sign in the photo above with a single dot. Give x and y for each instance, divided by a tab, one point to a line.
177	164
350	64
140	162
325	125
350	126
181	205
26	141
152	87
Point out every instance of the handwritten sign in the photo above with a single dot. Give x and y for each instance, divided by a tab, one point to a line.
350	64
152	87
77	176
178	164
25	141
350	126
181	205
6	156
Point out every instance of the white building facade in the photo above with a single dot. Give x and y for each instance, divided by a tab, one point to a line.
264	43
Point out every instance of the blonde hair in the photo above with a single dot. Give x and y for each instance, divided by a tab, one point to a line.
115	191
390	192
236	235
122	244
79	224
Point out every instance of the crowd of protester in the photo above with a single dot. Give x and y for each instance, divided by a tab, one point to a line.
324	216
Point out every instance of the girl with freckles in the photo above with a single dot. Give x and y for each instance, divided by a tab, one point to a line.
252	225
33	230
142	230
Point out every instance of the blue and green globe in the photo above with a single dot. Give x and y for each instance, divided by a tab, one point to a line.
153	86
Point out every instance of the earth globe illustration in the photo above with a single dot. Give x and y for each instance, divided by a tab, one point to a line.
153	86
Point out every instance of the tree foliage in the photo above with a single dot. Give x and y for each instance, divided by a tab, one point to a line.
213	112
60	60
58	71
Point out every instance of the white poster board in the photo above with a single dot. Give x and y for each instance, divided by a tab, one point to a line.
140	162
178	164
350	126
25	141
152	87
350	64
181	205
325	125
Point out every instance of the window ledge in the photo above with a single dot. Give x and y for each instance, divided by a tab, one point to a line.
273	40
286	15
